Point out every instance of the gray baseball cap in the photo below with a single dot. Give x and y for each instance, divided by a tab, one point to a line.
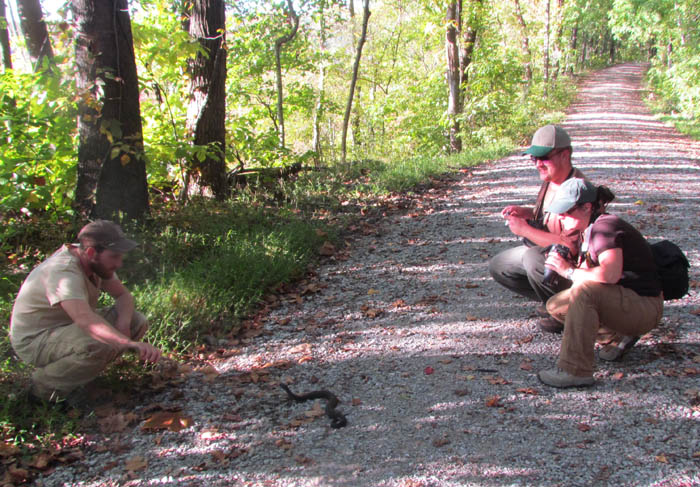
548	138
572	192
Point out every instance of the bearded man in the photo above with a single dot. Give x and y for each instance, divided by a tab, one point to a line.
56	325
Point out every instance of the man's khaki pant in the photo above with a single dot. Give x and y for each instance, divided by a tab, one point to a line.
587	306
67	358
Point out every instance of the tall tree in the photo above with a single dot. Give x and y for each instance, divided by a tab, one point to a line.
353	81
5	38
546	47
206	114
460	40
31	18
293	19
454	79
525	41
318	108
111	161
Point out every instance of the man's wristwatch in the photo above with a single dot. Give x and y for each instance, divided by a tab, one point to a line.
569	274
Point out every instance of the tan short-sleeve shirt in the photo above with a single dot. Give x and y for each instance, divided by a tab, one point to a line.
37	307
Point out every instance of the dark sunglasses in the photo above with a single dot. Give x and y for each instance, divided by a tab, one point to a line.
546	158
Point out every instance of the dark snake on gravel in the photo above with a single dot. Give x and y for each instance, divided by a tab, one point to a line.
338	419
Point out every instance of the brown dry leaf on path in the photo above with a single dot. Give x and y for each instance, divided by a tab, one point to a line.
327	249
314	412
528	390
370	312
497	380
209	371
41	461
167	420
493	402
136	463
661	458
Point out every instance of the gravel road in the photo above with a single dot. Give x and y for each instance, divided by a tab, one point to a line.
434	363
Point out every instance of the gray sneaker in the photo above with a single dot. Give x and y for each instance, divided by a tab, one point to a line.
560	378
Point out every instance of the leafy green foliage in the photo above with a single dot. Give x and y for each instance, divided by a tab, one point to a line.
37	130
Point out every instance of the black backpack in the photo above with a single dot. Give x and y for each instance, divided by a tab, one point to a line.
672	266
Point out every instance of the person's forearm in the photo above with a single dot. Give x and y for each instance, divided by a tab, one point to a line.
541	238
595	274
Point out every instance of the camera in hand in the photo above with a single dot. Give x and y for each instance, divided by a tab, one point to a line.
551	277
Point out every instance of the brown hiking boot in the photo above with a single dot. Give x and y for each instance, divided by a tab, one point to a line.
550	325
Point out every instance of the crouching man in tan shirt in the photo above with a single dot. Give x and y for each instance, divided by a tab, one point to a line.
56	325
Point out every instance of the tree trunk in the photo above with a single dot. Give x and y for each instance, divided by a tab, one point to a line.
546	49
318	109
557	39
353	82
278	70
454	78
466	51
206	113
574	46
111	161
5	38
31	19
526	42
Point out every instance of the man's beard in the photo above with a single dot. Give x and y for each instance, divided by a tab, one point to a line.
99	269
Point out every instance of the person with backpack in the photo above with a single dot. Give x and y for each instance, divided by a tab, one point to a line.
615	285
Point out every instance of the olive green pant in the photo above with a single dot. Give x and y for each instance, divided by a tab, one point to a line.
66	357
586	307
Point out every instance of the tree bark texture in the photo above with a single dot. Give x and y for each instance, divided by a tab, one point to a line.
526	42
278	69
5	38
466	50
31	18
320	97
454	78
111	161
546	49
353	82
206	115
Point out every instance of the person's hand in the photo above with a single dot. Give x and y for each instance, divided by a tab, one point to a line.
517	225
558	263
516	211
146	351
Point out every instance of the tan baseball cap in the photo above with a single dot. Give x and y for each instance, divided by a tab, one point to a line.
548	138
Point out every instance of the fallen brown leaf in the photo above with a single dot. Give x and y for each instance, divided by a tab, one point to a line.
661	458
493	402
528	390
167	420
136	463
438	442
327	249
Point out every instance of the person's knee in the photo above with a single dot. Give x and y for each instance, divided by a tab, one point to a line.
533	262
494	267
587	291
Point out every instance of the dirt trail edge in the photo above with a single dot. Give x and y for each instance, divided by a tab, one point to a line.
434	363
